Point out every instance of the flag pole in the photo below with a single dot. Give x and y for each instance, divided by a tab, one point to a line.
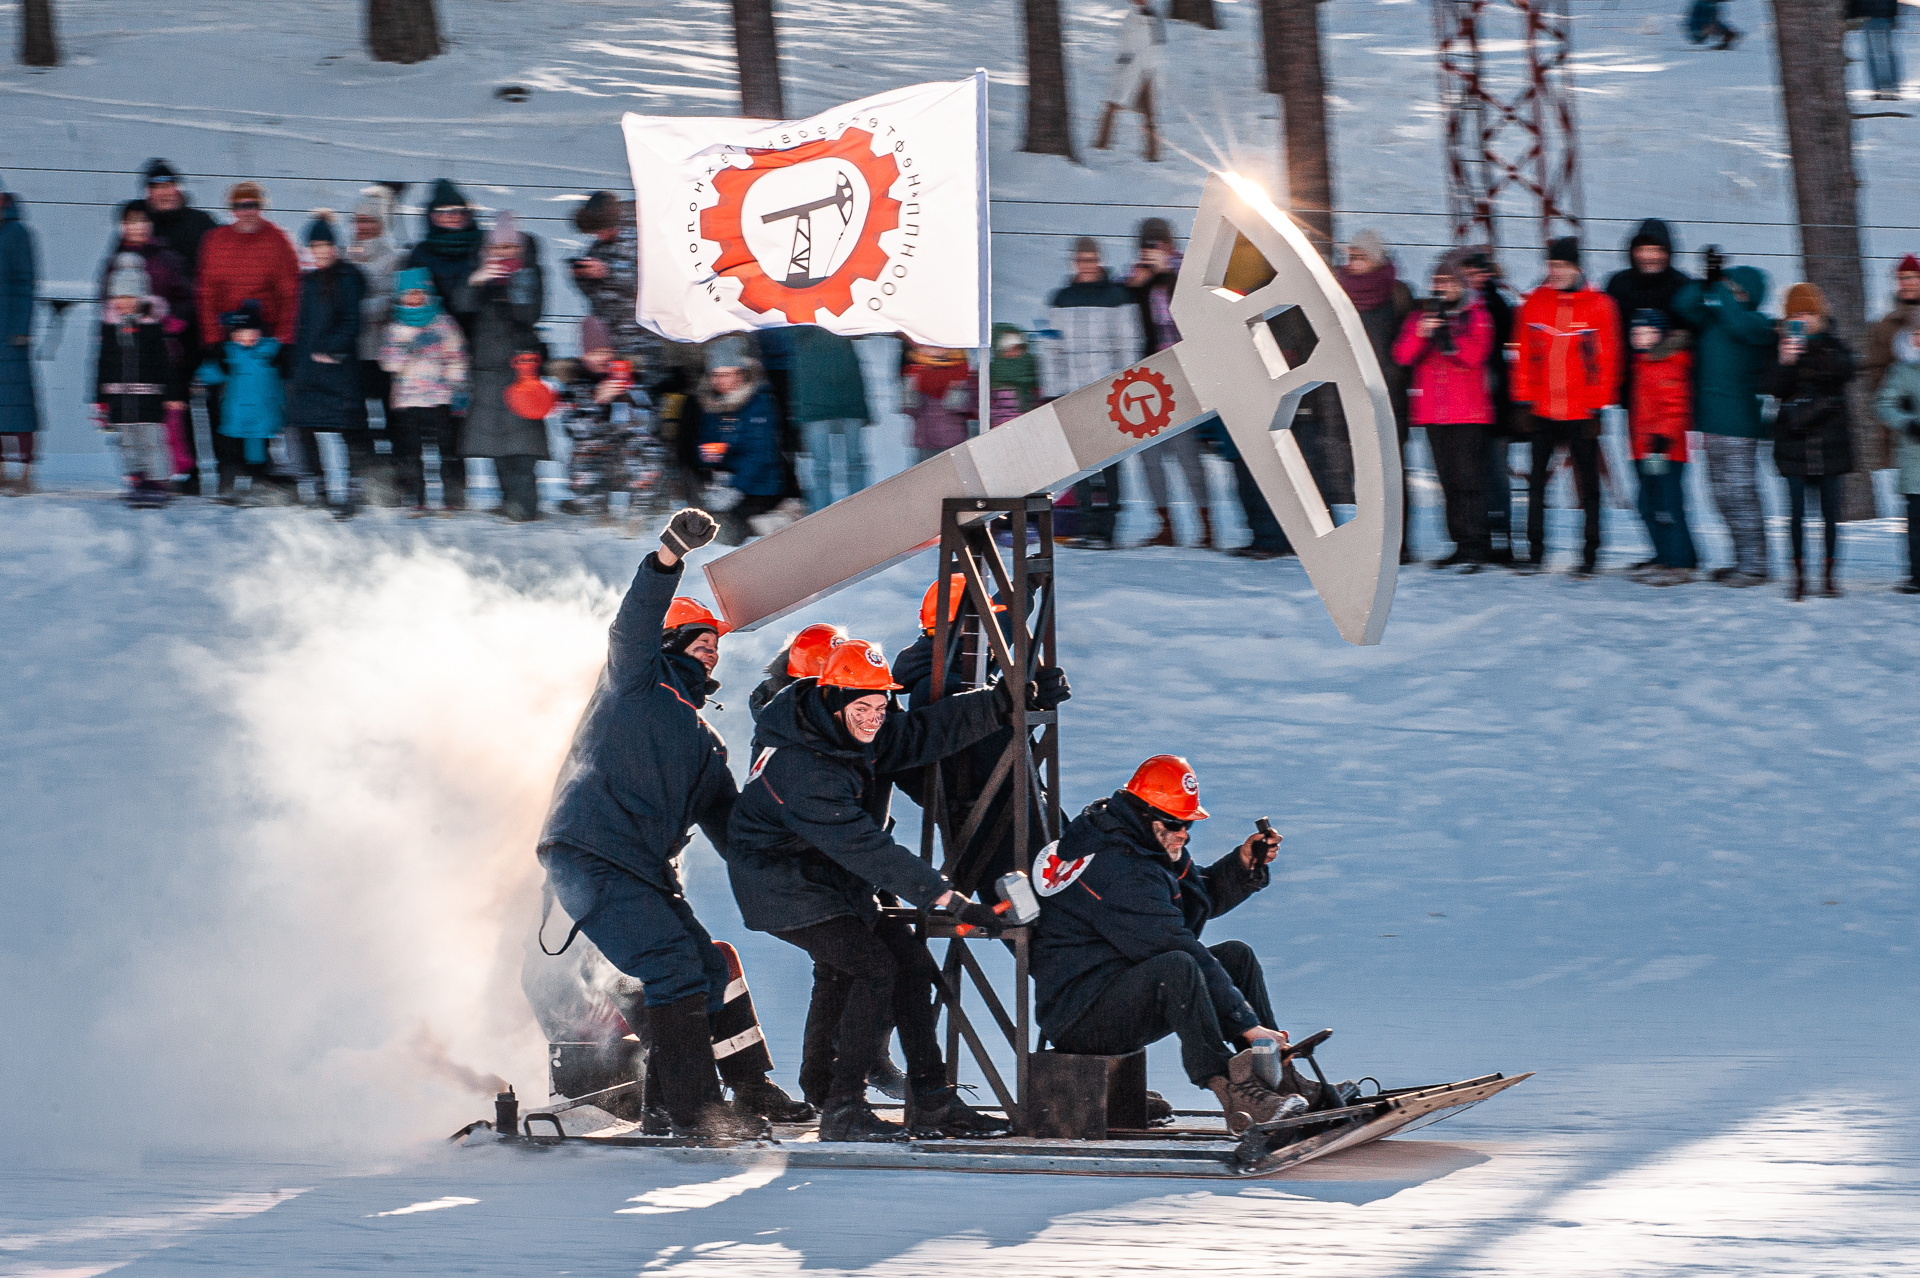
986	248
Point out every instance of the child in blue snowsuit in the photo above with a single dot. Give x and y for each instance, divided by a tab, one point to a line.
253	407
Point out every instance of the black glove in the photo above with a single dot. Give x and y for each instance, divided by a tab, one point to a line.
1913	430
688	530
1050	688
976	915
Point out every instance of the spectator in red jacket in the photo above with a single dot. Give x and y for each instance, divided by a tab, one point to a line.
250	259
1447	346
1660	417
1567	371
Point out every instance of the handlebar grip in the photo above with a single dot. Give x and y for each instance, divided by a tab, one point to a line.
1306	1045
1263	825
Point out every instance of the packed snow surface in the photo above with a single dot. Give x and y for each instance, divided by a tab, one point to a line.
272	782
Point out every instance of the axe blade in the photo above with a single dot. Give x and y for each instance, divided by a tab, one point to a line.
1230	364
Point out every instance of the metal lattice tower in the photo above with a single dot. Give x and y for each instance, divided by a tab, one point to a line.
1509	132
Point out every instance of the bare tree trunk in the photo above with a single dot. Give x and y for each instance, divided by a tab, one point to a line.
1293	26
1197	11
405	31
1049	117
1808	37
39	47
758	52
1272	52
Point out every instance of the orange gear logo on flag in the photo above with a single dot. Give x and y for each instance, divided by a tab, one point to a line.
844	245
1140	403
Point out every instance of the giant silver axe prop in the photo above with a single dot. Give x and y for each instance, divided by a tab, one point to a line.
1263	322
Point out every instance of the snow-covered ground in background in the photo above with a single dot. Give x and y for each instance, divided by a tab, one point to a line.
271	783
285	93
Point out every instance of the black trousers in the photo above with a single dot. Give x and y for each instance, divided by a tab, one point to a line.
1460	462
447	428
1266	530
1913	538
1097	505
886	973
408	429
1828	488
1165	995
1582	442
519	489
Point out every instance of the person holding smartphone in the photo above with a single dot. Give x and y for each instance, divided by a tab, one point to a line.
1812	436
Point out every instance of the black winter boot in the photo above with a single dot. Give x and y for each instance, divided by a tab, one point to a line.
939	1111
768	1100
1831	590
852	1119
1799	589
681	1078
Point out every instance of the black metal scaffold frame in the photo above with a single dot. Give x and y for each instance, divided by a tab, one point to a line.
1017	641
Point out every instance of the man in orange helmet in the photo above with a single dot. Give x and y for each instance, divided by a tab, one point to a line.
1118	962
808	850
802	657
643	770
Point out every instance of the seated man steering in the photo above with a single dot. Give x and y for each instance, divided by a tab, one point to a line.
1118	963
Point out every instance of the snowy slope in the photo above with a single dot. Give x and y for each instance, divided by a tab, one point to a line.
286	94
274	782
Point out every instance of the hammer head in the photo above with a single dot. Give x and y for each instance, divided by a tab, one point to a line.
1023	903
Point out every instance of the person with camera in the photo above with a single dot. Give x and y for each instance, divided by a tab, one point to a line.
1446	345
1117	960
1732	349
809	850
1899	406
1812	434
1477	268
1568	371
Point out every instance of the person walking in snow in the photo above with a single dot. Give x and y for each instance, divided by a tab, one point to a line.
1152	280
645	768
1136	70
1734	346
248	260
1098	327
425	354
503	298
1898	403
325	392
1812	434
1659	415
1447	346
138	382
244	370
827	402
1567	372
19	413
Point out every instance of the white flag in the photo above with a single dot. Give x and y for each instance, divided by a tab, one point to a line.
867	218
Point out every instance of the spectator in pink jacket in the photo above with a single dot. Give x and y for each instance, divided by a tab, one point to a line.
1447	346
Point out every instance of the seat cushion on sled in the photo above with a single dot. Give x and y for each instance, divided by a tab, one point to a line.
1082	1097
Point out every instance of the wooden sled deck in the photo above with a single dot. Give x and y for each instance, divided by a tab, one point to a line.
1199	1150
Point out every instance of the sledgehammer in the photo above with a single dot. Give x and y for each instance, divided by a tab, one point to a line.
1017	899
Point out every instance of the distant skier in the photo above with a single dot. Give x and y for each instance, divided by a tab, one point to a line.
644	769
1118	962
1704	23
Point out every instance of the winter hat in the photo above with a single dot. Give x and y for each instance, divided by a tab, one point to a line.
601	212
1653	233
1007	338
1452	264
1806	299
376	202
1154	230
1086	244
128	277
446	196
406	281
320	230
505	229
1648	317
728	352
246	316
158	171
1909	265
130	207
247	189
1565	249
593	335
1367	241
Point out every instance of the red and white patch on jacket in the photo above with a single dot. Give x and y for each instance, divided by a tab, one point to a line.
1051	874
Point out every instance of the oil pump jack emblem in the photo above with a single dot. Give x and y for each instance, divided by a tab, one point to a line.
1140	403
798	228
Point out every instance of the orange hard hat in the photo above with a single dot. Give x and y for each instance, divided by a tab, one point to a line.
930	601
1167	784
858	664
807	654
691	612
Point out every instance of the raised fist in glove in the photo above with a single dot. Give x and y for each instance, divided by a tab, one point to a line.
1049	688
685	533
